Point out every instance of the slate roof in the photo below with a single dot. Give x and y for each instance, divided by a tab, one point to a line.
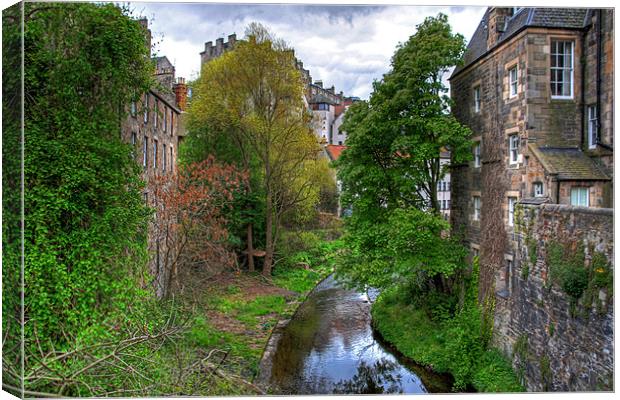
568	163
321	98
566	18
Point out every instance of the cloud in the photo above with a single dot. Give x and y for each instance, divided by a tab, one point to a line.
345	46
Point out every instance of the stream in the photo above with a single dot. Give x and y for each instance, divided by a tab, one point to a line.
329	347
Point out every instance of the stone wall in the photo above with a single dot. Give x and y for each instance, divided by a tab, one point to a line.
557	341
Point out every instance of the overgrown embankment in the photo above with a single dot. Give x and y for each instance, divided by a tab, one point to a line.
446	337
234	313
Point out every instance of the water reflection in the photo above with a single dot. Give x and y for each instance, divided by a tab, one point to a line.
329	347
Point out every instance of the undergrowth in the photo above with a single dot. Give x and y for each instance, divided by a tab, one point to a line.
448	342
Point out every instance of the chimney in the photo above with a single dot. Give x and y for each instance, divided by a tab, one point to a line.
219	43
496	24
232	39
180	92
144	22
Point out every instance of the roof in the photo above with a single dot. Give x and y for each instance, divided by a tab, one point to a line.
334	151
568	163
321	98
535	200
565	18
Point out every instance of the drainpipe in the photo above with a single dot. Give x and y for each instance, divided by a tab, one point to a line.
584	109
599	60
557	191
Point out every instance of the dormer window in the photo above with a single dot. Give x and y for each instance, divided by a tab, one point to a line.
538	189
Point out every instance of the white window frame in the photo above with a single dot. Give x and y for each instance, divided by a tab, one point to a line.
563	69
145	152
579	191
165	124
154	153
477	149
537	192
133	109
592	126
477	207
513	149
477	99
512	201
513	81
163	159
146	108
156	117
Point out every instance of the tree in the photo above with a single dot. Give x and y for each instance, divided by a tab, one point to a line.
83	239
254	94
190	228
391	167
395	140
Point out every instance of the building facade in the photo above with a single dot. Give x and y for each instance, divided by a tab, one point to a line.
154	127
536	89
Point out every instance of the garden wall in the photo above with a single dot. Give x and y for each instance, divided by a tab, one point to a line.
554	312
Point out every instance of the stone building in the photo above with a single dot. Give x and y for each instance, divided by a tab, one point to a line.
155	128
536	88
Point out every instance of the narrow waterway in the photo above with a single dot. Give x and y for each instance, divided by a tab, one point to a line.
329	347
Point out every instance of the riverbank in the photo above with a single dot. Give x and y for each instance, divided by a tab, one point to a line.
235	313
449	346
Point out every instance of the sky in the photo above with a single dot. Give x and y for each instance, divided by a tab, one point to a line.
348	46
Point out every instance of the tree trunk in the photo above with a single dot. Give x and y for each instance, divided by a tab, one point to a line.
250	248
268	235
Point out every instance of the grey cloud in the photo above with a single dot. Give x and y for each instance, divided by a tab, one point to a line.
345	46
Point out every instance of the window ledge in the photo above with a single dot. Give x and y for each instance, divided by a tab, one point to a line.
562	97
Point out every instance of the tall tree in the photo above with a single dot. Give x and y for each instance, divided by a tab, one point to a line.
398	136
391	167
255	94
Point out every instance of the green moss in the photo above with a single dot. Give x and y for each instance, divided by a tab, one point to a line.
567	269
545	373
551	328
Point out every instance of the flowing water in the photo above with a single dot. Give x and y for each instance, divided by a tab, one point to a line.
329	347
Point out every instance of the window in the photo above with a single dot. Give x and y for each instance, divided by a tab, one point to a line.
146	108
538	189
171	123
592	127
513	77
171	159
165	124
477	99
477	155
580	196
134	139
133	109
163	158
444	204
340	143
145	148
561	69
156	117
512	201
154	153
476	208
513	146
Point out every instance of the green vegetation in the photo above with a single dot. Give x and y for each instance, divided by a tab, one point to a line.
456	343
582	284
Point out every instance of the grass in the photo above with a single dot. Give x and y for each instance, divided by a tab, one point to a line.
240	315
449	346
